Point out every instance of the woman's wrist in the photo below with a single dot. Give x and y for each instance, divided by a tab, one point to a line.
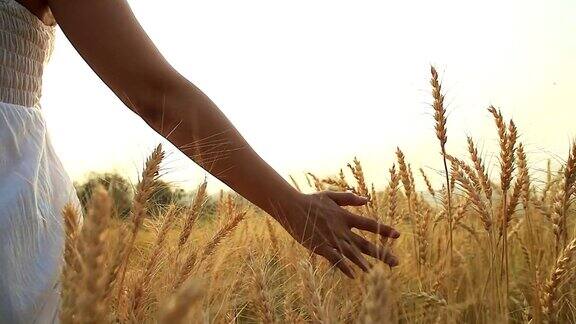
280	201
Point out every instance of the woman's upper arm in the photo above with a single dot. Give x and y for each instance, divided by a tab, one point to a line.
110	39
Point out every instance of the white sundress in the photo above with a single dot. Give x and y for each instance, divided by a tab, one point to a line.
33	184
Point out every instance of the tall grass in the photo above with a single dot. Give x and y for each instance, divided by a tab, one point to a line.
476	249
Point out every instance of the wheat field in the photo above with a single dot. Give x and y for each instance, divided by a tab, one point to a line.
474	249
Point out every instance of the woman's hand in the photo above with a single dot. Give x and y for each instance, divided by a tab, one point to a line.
318	222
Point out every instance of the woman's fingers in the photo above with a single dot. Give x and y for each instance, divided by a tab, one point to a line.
346	198
370	225
378	252
353	254
337	259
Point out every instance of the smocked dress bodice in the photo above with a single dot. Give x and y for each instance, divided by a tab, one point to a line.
26	44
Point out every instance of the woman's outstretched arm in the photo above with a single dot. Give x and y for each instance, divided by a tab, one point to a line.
112	42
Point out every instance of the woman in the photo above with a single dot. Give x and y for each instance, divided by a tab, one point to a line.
34	186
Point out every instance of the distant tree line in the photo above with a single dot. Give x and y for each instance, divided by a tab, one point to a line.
122	193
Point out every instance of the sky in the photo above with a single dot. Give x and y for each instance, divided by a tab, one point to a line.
312	84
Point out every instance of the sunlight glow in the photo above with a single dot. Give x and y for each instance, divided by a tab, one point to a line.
311	84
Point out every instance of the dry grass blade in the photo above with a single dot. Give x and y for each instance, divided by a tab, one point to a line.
295	183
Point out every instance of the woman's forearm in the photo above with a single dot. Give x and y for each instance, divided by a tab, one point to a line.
195	125
112	42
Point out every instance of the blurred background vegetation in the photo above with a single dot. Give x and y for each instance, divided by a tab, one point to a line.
122	191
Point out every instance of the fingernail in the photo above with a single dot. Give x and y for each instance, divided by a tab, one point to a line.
393	261
351	273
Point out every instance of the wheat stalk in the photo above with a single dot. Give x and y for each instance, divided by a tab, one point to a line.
378	303
143	283
441	121
86	302
392	196
473	195
480	169
508	136
428	184
262	296
144	190
221	234
311	292
192	214
550	299
358	173
181	305
562	200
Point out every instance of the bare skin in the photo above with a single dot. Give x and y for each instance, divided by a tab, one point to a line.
40	9
111	41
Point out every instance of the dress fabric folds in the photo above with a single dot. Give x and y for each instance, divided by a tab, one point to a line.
34	187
